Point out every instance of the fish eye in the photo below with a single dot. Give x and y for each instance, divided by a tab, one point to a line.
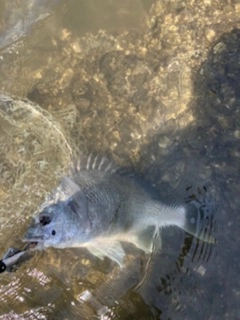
44	220
53	232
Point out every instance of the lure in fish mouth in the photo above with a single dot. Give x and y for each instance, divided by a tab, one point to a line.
13	256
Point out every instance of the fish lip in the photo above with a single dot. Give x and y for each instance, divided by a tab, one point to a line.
33	239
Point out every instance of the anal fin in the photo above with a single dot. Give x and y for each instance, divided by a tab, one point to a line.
147	239
108	248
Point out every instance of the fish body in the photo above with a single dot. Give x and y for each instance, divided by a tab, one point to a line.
99	206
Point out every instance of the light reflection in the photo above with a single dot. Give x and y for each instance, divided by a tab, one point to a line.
39	275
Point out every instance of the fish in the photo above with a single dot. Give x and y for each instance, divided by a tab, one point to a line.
100	205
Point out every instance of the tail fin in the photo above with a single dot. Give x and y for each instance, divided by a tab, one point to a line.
200	214
194	192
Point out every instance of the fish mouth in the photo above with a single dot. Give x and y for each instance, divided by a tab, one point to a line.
34	243
31	245
33	239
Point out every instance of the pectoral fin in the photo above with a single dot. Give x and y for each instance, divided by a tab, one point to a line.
108	248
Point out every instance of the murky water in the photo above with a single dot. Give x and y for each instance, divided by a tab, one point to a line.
154	84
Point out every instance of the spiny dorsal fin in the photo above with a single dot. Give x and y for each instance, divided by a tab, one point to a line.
103	163
94	162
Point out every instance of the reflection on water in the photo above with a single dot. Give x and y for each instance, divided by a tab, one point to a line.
154	87
17	19
92	15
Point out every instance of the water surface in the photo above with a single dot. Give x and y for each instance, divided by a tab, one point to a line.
155	85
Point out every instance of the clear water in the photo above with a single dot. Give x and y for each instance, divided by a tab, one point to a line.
154	84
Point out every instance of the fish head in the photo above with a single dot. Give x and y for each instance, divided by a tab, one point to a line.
47	227
62	224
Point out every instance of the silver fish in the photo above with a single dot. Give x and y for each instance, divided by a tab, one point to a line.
99	206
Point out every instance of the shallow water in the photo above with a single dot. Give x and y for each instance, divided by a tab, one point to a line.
153	84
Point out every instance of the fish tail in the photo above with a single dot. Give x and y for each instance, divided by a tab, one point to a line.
195	198
200	214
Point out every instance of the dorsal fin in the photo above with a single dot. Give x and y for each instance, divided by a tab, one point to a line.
103	163
94	162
